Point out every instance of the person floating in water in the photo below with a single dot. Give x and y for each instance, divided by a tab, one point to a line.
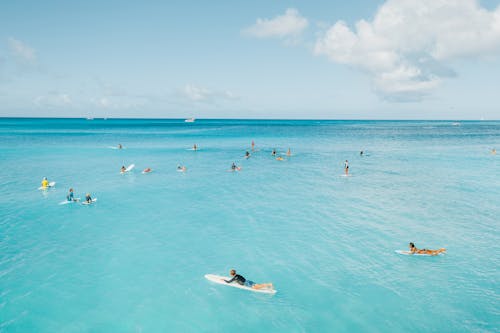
279	158
71	196
253	146
414	250
493	151
195	147
361	153
274	152
234	167
120	146
45	182
88	198
123	169
289	152
147	170
346	167
247	283
181	168
247	155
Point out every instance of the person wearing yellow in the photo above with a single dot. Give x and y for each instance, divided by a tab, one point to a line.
45	182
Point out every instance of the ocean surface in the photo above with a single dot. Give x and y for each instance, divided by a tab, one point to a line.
135	260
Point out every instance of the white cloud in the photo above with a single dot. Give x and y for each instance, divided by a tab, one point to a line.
195	93
53	100
22	51
289	24
407	47
201	94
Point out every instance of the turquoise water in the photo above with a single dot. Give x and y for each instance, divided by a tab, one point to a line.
135	260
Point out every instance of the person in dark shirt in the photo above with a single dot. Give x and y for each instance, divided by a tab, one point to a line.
247	283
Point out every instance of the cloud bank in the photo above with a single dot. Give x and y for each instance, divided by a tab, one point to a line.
21	51
407	48
289	24
200	94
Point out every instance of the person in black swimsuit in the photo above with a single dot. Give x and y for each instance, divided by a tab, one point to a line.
247	283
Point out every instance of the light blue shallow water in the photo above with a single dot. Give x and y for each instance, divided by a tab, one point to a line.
134	261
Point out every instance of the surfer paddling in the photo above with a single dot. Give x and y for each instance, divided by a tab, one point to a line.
415	250
247	283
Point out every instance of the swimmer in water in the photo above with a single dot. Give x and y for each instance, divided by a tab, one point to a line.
247	283
414	250
181	168
195	147
289	152
234	167
279	158
147	170
123	169
120	146
247	154
274	152
361	153
88	198
346	167
493	151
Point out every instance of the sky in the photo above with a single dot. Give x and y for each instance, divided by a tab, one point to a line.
371	59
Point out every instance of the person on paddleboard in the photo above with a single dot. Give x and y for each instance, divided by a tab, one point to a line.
70	196
247	283
415	250
45	182
346	167
88	198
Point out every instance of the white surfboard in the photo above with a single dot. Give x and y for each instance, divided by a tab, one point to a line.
88	203
65	202
408	253
220	280
130	167
51	184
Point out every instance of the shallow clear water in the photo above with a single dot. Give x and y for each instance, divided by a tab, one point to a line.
135	261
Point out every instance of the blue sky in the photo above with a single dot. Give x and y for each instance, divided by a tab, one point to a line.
399	59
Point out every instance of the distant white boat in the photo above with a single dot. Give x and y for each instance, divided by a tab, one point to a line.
455	124
189	120
90	118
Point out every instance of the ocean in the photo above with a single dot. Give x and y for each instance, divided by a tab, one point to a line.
135	260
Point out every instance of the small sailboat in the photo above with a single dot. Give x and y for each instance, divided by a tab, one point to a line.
189	120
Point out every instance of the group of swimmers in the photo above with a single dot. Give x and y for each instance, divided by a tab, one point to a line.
71	197
71	194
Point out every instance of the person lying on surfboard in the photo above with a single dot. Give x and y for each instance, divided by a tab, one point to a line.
414	250
247	283
123	169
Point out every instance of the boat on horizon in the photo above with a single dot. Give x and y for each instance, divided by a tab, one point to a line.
189	120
